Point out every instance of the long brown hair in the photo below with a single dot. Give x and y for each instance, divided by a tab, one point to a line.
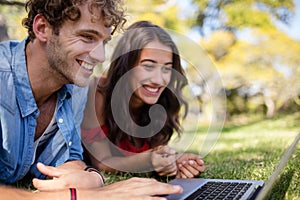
124	58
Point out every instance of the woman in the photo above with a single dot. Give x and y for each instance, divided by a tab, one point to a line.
138	107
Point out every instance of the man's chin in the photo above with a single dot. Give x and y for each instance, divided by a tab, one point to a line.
82	82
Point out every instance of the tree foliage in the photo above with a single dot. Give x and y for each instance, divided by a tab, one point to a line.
164	13
11	15
243	12
254	57
12	3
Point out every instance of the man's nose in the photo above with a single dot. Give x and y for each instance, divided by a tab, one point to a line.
98	53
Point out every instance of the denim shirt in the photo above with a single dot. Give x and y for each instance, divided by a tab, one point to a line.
18	113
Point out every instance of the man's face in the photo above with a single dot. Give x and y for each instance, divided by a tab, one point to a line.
79	47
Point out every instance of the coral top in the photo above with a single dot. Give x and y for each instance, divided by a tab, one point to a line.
97	134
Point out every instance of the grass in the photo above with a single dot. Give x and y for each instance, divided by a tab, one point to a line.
249	149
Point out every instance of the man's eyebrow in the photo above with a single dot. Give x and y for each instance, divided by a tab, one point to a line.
91	31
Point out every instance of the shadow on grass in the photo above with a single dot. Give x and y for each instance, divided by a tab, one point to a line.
281	186
291	120
230	128
226	128
25	183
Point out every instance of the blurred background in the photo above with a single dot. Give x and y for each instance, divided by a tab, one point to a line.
254	44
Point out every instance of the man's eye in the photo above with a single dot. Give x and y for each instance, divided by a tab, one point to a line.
88	37
106	41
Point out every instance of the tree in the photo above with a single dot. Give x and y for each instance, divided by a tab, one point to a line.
12	3
164	13
262	62
238	14
3	30
11	15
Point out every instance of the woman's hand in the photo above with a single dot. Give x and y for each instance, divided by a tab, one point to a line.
163	159
189	165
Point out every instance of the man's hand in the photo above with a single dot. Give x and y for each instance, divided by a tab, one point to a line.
138	189
62	178
189	165
163	160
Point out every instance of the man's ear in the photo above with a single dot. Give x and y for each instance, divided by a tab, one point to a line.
41	28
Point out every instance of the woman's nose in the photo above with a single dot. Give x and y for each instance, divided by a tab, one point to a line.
158	76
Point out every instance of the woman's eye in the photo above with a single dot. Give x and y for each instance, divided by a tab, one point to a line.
148	66
166	69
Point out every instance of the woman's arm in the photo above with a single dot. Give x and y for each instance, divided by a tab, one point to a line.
160	159
101	157
99	151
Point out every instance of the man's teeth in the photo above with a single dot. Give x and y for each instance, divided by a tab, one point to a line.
150	89
87	66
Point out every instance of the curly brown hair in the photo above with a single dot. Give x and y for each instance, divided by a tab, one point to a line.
57	11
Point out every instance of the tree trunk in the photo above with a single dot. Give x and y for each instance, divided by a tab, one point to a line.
270	104
3	30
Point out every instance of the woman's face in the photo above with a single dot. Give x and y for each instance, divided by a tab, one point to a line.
152	73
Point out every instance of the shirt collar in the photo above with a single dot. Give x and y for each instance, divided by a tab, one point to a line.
25	98
24	93
65	92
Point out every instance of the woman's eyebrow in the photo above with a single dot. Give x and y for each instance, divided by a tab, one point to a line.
153	61
148	60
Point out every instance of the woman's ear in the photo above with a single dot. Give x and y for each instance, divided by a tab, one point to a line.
41	28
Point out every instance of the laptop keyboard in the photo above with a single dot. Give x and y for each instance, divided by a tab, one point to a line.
220	190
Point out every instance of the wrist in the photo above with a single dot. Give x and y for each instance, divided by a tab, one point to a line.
97	172
73	194
151	159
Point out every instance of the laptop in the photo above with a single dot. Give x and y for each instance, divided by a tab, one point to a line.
214	189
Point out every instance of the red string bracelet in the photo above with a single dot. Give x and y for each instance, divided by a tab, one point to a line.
73	194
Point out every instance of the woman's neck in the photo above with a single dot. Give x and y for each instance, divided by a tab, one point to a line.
135	103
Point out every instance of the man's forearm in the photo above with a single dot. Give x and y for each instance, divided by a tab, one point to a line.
8	192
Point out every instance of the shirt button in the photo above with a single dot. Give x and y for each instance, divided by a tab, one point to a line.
60	120
70	143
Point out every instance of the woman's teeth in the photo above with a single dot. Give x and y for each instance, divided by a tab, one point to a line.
150	89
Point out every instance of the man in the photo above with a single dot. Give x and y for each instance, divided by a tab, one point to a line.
66	40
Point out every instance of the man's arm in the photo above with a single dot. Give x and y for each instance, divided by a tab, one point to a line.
20	194
134	188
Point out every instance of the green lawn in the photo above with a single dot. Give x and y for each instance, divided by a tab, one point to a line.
250	149
246	149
